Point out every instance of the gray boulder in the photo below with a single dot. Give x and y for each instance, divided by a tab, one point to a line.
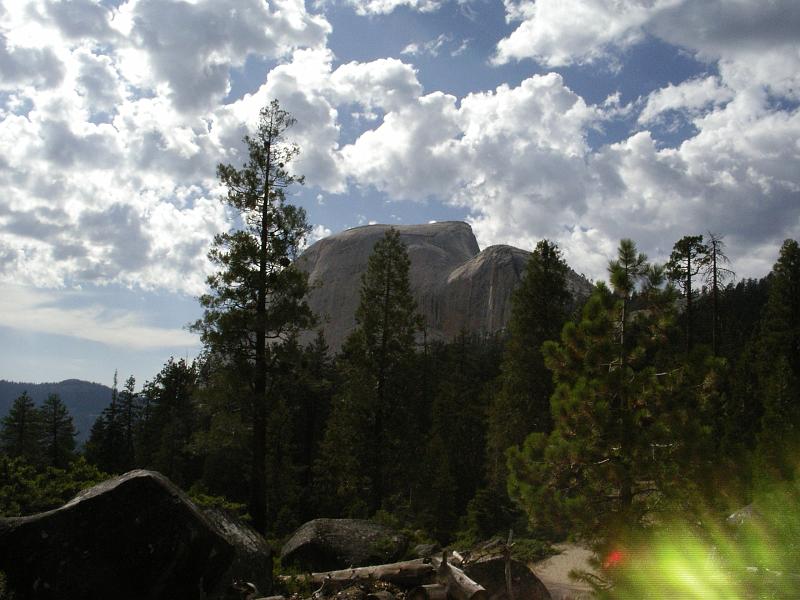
330	544
134	536
457	287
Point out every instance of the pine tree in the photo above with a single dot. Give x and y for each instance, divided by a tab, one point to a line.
629	426
715	274
370	417
21	430
540	307
257	295
453	465
172	421
105	445
778	366
685	264
57	433
128	418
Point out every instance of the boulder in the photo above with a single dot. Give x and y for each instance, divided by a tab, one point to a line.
456	286
331	544
134	536
491	574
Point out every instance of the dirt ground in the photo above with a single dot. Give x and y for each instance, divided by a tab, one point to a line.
554	572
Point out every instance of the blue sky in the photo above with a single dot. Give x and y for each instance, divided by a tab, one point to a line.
582	121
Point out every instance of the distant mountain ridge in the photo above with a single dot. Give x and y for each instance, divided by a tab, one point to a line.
457	286
84	399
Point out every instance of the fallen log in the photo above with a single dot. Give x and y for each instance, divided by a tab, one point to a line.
381	595
435	591
409	573
459	586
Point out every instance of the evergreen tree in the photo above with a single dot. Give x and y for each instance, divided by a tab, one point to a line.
105	445
685	264
716	273
257	295
779	366
172	422
374	405
21	430
630	421
128	417
540	306
57	433
311	393
452	468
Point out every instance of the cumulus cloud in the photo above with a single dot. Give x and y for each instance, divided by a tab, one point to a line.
191	47
383	7
39	67
562	32
116	120
753	43
689	97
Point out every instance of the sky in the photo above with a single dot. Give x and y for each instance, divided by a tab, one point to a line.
580	121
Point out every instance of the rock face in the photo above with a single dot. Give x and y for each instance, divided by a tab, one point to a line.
330	544
491	574
134	536
457	287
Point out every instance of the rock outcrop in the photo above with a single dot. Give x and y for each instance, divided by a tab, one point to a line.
457	287
330	544
135	536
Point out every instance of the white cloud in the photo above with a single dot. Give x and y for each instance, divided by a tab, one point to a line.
562	32
691	96
33	310
383	7
115	122
431	47
318	232
753	43
191	47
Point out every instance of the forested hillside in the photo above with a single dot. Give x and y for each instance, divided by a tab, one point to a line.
84	399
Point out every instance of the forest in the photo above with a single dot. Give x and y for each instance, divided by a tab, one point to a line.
664	400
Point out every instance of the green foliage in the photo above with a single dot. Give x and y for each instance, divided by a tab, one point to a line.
105	447
709	559
204	501
21	430
26	490
686	262
372	415
257	295
778	367
540	307
57	433
171	422
452	465
629	430
489	513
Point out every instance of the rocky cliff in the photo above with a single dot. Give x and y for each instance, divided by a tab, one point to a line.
456	285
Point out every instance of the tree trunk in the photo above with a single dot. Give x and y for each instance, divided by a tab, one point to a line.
258	474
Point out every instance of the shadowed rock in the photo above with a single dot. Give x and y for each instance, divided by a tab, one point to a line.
457	287
491	574
330	544
134	536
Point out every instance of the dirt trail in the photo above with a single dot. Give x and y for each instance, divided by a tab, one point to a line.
554	572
